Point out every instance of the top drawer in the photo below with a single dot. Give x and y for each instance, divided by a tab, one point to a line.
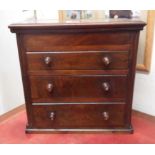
78	41
77	60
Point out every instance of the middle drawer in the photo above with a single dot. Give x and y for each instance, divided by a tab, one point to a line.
77	60
78	88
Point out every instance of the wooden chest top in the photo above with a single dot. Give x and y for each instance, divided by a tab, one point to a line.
83	25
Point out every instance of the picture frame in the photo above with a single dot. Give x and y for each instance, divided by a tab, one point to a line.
76	15
145	64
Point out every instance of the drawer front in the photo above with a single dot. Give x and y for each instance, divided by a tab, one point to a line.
91	60
84	88
78	41
79	116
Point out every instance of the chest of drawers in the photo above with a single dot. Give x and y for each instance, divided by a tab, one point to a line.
78	76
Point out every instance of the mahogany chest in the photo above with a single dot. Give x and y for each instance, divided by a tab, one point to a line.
78	76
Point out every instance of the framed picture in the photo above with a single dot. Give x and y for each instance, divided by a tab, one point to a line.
72	15
146	41
146	36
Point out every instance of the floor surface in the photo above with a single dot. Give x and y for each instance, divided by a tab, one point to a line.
12	131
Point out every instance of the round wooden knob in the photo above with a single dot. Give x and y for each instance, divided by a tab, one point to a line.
106	61
47	61
105	115
52	115
49	87
106	86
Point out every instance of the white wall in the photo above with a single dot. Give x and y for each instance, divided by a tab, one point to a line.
1	106
144	92
11	89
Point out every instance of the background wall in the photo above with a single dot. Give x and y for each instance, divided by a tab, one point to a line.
11	89
144	92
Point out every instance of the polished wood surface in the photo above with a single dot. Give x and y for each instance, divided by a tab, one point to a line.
84	88
81	60
47	42
96	25
78	76
79	116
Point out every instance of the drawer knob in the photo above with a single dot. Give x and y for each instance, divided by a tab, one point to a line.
47	61
106	86
49	87
105	115
52	115
106	61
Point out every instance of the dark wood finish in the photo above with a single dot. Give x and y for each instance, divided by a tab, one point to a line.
83	60
82	26
47	42
79	116
25	79
78	76
83	88
79	72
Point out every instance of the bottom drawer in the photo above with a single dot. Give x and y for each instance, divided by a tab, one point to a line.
80	116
